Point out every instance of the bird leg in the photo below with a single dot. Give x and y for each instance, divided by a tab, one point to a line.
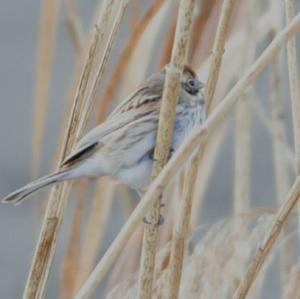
160	220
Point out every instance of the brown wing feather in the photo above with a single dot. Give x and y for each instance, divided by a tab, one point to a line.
140	104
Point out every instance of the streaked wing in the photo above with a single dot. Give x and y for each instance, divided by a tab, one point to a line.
137	108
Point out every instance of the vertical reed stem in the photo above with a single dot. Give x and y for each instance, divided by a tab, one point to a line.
294	90
164	139
241	202
40	268
184	215
280	219
279	138
217	53
294	85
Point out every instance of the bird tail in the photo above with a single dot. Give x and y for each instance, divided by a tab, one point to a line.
19	195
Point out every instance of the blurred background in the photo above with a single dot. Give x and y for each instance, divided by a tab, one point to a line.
19	31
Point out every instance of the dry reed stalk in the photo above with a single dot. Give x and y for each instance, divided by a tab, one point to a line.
182	225
167	50
96	227
94	233
128	262
95	230
98	76
180	233
39	272
164	140
134	13
217	52
294	89
271	236
201	19
241	201
291	287
195	139
212	253
294	85
70	265
279	139
212	149
144	51
280	165
229	71
124	59
98	212
126	202
213	70
46	44
74	26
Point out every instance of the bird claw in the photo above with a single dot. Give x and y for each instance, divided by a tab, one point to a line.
160	220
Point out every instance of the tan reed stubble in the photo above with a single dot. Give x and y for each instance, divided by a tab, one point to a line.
182	225
196	138
46	45
42	260
163	141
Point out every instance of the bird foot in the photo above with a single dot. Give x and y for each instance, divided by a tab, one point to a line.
160	220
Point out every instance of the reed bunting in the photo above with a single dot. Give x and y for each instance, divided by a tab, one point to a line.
122	146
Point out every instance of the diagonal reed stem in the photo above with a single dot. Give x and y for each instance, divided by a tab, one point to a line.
196	138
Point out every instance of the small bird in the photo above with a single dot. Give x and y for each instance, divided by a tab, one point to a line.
122	147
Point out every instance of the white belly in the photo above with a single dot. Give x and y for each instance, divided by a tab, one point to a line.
138	174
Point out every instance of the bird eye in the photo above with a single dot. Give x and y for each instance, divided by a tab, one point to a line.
191	83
